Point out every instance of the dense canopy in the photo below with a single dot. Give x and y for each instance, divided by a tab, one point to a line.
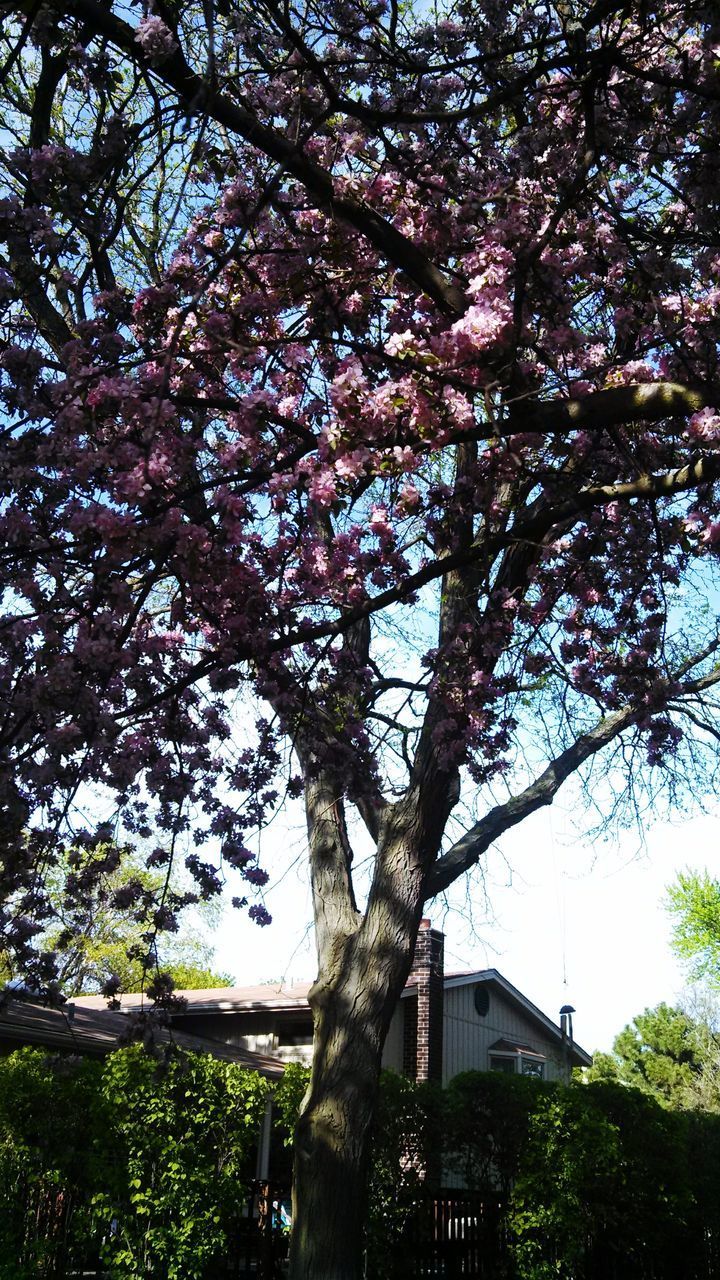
359	437
361	360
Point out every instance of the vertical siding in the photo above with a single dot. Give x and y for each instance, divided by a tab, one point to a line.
468	1036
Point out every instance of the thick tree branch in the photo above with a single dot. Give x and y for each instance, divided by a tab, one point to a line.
32	288
466	852
615	406
194	93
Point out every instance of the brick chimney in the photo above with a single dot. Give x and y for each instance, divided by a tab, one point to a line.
423	1018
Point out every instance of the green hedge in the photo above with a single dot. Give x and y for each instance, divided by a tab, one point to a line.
136	1162
143	1164
52	1114
580	1182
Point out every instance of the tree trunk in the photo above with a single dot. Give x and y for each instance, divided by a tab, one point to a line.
352	1016
363	963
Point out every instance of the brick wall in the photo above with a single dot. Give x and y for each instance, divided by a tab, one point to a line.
423	1020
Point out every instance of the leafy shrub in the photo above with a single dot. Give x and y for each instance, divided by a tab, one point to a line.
138	1159
406	1158
184	1131
485	1127
143	1162
51	1116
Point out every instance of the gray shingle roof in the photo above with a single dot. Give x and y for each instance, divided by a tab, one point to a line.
263	996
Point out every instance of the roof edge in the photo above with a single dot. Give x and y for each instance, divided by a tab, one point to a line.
532	1010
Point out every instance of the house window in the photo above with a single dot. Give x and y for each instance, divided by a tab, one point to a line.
294	1036
532	1067
503	1064
515	1058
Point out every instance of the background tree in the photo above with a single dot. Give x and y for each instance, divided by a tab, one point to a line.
360	439
663	1052
673	1053
693	902
98	945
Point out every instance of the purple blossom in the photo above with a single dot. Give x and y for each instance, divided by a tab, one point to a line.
155	39
260	915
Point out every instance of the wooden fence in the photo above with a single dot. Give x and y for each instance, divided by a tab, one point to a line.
259	1247
451	1236
461	1235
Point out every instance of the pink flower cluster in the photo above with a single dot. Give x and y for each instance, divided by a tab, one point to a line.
155	39
389	439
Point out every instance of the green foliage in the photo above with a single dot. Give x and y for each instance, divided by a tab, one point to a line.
661	1052
653	1184
288	1096
95	939
588	1180
563	1185
693	902
702	1143
486	1127
143	1159
601	1185
185	1128
189	976
51	1116
140	1164
406	1156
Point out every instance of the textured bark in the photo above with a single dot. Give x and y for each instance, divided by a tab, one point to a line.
363	962
332	1136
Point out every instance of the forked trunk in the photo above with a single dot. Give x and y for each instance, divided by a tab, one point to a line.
333	1132
363	962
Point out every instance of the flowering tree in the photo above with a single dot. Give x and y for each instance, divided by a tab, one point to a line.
360	368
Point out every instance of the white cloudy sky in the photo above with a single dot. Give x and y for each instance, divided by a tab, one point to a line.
565	921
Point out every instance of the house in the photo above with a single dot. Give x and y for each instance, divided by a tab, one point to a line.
78	1027
75	1028
444	1023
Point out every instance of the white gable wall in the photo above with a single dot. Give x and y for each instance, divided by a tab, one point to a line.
468	1036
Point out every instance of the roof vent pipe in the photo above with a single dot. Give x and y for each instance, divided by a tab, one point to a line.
566	1022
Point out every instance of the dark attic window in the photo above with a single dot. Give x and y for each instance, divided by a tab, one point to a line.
294	1036
482	1001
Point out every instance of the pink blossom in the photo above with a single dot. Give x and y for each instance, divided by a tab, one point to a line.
400	344
379	522
704	426
459	408
485	323
408	498
711	533
351	465
205	466
155	39
347	383
322	488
